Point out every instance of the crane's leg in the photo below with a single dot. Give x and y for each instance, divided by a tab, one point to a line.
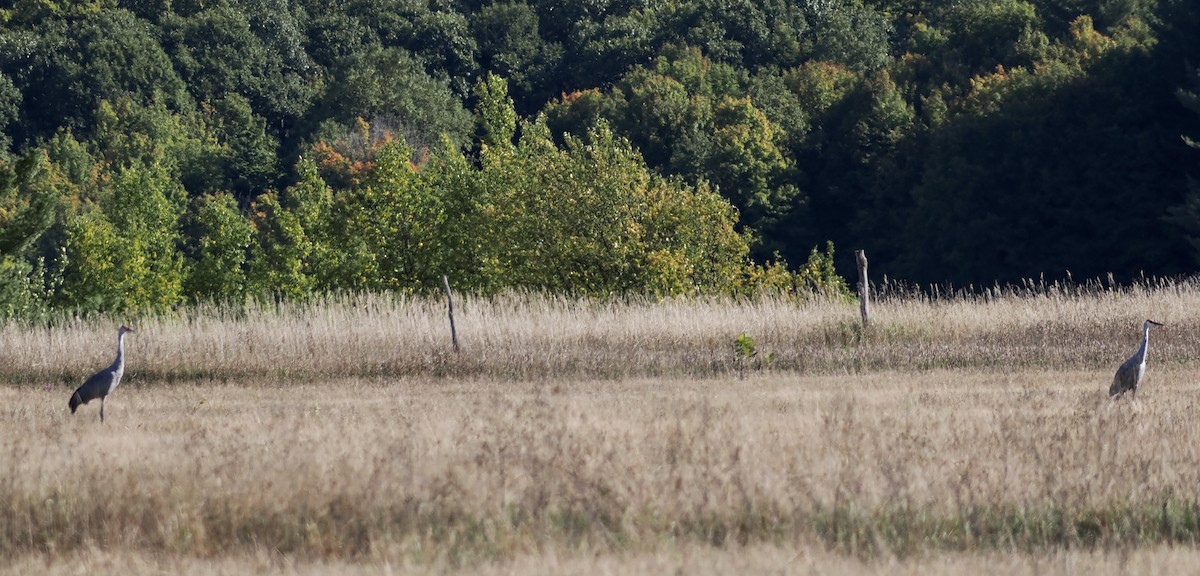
101	409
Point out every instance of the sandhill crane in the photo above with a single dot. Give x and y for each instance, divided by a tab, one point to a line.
102	383
1129	375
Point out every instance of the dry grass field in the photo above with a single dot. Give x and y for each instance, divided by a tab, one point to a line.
582	437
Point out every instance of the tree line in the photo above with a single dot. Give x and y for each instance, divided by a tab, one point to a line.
154	153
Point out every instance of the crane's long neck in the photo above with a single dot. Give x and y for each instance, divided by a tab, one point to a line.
118	365
1145	343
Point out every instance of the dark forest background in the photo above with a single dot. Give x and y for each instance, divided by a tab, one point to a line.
156	152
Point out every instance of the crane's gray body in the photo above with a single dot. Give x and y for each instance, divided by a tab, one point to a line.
102	383
1129	374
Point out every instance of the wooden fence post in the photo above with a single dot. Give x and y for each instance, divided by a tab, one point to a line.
864	288
450	311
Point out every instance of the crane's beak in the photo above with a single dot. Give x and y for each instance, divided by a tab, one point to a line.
1155	323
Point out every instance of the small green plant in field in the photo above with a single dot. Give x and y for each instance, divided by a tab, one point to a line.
746	354
745	347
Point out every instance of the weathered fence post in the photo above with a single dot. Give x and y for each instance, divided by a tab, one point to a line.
864	288
450	311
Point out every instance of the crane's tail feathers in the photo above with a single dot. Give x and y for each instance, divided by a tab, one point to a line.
76	400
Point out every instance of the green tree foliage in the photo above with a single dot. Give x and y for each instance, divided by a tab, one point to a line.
956	141
510	46
994	33
1186	215
741	32
768	91
26	204
591	219
217	53
128	133
443	39
686	118
20	294
247	151
971	210
849	33
64	67
288	90
291	252
10	111
123	254
600	49
747	164
254	49
279	265
335	36
494	113
576	112
395	219
219	258
853	162
390	85
586	217
27	209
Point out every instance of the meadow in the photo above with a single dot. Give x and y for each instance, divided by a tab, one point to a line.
955	434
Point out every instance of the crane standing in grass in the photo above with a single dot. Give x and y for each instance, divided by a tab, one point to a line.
1129	375
102	383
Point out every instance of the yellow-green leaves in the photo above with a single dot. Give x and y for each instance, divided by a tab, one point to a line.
217	265
123	255
591	218
495	116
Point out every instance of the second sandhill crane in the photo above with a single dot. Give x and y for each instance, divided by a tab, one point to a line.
1130	373
102	383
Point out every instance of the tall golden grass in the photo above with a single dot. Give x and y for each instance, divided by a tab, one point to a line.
348	432
521	337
